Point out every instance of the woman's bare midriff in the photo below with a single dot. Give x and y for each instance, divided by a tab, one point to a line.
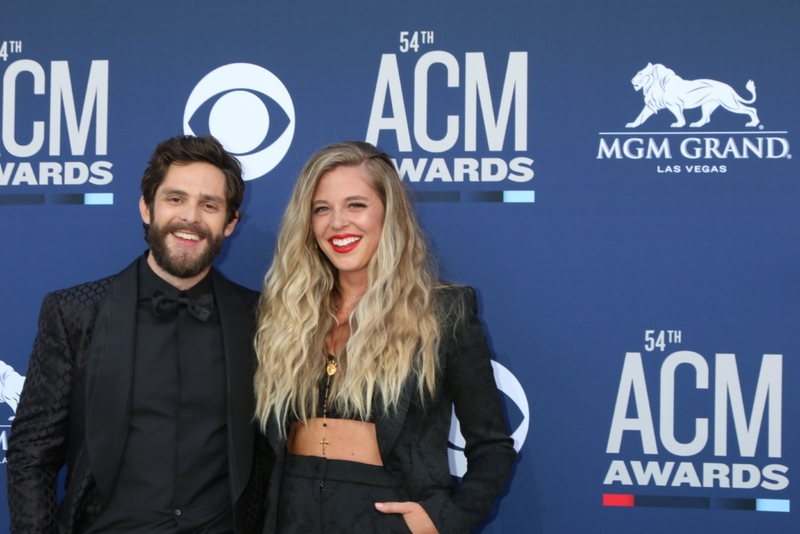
354	441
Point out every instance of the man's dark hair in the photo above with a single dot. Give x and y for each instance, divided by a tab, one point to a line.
185	149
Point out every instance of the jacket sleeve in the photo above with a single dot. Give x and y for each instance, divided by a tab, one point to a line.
489	450
38	443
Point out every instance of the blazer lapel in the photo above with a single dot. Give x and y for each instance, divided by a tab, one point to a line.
238	328
108	378
388	427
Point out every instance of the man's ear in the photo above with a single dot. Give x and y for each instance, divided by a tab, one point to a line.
231	225
144	210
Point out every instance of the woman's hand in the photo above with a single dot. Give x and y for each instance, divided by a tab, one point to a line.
414	515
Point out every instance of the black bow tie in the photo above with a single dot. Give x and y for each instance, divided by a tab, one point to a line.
164	302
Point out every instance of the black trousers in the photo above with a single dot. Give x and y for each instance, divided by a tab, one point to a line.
335	496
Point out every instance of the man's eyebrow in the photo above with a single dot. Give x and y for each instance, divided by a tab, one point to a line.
212	198
180	192
166	192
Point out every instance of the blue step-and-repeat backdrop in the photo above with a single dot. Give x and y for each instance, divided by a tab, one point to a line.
615	178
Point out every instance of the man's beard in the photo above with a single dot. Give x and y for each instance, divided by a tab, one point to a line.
182	265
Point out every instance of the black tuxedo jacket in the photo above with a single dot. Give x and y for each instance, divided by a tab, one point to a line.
413	440
75	406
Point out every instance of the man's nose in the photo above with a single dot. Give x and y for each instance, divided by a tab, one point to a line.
190	212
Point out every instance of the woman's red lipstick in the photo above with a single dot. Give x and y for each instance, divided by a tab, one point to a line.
344	243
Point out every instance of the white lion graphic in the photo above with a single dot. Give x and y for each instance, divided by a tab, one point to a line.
11	383
662	88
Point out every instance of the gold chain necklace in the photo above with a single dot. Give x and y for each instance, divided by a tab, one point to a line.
330	370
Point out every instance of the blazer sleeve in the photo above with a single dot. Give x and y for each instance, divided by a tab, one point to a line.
38	443
469	379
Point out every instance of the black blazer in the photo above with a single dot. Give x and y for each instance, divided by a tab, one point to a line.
75	406
413	441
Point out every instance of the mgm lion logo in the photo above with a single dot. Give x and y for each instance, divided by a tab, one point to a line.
662	88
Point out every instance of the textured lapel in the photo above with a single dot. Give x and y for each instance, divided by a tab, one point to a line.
108	378
238	328
388	427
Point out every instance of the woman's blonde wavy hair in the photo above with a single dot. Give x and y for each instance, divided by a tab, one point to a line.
394	332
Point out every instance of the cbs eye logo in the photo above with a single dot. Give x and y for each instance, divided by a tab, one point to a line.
239	103
518	412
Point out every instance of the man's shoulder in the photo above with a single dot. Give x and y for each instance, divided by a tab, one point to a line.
250	296
245	291
87	296
82	295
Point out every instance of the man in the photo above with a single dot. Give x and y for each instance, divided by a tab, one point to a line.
141	383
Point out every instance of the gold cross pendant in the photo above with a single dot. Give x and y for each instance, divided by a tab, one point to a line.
323	443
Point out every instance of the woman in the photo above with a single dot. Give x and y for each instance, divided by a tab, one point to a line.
362	355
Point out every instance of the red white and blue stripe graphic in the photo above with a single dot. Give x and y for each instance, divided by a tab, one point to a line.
626	500
507	197
32	199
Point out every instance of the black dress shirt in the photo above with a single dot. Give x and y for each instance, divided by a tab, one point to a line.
174	473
